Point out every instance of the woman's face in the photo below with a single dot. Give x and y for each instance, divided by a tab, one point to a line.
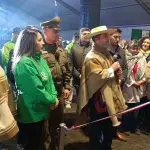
134	50
146	44
39	43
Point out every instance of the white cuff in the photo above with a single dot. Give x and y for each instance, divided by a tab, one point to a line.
110	73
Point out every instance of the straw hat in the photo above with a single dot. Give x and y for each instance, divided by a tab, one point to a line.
100	30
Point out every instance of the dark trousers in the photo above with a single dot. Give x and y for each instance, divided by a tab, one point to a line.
97	129
76	94
56	117
144	114
130	121
30	135
1	146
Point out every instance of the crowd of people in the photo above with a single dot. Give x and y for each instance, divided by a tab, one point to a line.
98	71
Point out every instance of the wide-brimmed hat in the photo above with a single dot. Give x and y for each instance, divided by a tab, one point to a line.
100	30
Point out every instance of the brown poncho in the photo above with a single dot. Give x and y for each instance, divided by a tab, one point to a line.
8	126
95	77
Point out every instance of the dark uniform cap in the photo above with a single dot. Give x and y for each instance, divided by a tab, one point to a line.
16	30
76	34
54	23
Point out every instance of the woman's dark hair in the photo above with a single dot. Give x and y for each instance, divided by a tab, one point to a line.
143	39
25	44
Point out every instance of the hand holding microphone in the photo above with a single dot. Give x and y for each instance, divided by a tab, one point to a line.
115	66
117	69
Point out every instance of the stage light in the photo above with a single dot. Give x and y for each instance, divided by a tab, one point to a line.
3	10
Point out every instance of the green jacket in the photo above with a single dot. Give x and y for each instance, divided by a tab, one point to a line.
6	51
36	89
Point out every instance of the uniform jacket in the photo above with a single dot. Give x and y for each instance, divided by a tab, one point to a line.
35	87
59	65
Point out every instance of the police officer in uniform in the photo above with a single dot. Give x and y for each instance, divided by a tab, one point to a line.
59	65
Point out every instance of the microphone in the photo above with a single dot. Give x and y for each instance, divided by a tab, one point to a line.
115	58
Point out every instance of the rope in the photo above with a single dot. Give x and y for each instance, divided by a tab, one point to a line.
118	114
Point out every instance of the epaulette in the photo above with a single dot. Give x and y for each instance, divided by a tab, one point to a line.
60	49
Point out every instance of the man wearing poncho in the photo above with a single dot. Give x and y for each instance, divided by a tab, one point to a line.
100	91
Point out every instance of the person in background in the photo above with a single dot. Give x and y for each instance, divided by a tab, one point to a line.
59	65
134	86
145	112
77	55
36	90
123	44
99	91
147	75
9	46
74	40
119	55
68	48
145	47
115	49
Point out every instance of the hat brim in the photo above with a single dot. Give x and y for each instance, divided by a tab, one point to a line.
110	31
58	29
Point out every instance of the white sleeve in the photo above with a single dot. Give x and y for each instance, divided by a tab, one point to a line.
110	73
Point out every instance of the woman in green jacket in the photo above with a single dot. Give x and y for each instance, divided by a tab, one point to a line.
36	91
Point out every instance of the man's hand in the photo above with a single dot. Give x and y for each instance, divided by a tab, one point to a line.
119	72
115	66
52	107
66	93
120	82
